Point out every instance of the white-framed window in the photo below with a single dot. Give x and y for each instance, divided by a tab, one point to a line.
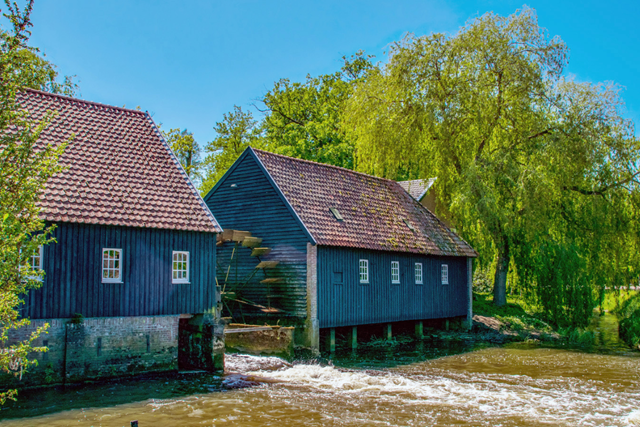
418	273
364	270
180	267
111	265
395	272
444	274
36	262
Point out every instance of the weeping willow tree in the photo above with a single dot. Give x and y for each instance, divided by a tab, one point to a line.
538	172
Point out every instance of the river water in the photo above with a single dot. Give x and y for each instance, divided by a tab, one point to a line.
416	384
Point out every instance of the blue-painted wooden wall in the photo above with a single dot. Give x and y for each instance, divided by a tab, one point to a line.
351	303
73	281
246	200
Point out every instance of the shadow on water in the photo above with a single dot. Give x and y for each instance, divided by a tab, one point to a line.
381	357
37	402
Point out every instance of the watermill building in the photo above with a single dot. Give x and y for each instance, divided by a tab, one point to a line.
347	249
129	284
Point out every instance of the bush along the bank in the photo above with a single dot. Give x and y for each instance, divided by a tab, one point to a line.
629	314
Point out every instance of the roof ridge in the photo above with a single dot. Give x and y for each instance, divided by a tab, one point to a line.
84	101
325	165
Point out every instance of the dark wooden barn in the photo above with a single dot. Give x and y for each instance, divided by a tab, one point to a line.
351	249
134	255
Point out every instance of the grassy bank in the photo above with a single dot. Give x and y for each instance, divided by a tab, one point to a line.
626	306
523	322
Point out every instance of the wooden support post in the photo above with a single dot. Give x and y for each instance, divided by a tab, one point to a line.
331	340
353	337
387	331
446	324
419	330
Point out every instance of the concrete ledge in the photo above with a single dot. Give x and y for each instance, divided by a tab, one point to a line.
259	340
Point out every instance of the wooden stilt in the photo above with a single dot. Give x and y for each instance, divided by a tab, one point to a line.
419	330
446	324
353	337
331	340
387	331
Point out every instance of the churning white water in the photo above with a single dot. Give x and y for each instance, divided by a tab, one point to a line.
488	387
513	386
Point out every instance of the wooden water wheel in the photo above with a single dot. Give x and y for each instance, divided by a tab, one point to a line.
237	277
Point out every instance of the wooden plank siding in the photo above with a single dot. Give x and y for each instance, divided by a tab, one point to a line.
254	205
73	267
351	303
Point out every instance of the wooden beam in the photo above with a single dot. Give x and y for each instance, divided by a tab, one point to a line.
253	329
225	236
260	251
251	242
271	280
267	264
239	236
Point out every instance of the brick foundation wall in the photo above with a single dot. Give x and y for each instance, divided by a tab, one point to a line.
98	348
119	346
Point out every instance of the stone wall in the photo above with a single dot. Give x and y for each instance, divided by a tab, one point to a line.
118	346
98	348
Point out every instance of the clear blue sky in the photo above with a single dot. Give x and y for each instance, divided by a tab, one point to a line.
189	62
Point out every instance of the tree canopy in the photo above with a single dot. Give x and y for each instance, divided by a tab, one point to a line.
301	119
237	131
187	150
25	166
539	172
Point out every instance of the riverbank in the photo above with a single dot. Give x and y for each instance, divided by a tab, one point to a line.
513	322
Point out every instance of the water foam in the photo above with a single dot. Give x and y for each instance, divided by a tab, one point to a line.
244	363
634	418
488	396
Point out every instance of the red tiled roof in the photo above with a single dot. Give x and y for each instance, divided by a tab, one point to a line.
374	209
119	170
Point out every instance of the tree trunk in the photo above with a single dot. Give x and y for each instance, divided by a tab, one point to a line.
500	279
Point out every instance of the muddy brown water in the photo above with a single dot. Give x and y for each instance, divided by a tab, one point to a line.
416	384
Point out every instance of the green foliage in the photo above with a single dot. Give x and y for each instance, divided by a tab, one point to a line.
187	150
237	131
482	282
538	172
303	119
25	166
50	374
629	314
580	336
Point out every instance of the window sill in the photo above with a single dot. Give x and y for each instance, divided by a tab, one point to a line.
181	283
364	283
419	283
115	283
395	283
